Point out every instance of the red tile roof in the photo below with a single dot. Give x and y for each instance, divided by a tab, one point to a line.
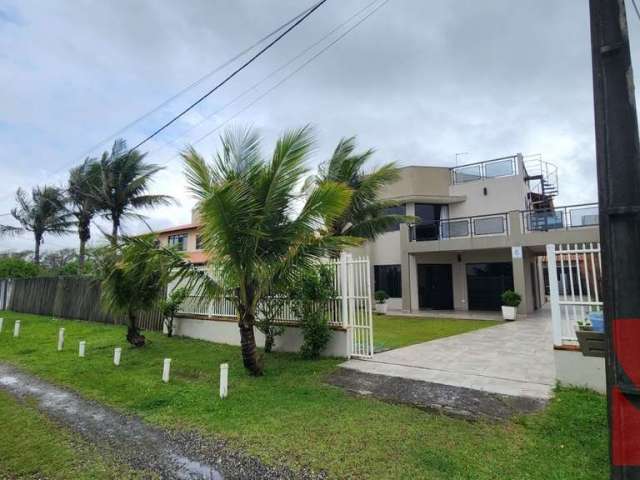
188	226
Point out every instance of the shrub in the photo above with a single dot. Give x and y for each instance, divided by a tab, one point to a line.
511	298
171	305
381	296
13	267
311	301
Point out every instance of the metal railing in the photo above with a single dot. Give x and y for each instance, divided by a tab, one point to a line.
499	167
464	227
560	218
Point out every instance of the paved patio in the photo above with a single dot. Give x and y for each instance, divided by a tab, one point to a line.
514	359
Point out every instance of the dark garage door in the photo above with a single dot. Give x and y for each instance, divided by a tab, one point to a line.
486	282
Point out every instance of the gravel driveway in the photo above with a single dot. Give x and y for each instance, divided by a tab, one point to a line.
169	455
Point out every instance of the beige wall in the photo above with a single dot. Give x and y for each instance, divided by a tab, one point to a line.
419	181
503	194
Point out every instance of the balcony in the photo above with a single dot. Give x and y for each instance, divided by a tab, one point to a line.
499	167
466	227
517	227
560	218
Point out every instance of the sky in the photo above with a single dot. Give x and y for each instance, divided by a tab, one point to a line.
418	81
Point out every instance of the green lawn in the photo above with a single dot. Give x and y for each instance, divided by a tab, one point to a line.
31	446
391	331
290	416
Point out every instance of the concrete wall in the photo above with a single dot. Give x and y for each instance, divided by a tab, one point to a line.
503	194
227	332
418	181
574	369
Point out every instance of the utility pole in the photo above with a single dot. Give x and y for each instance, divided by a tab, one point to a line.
618	158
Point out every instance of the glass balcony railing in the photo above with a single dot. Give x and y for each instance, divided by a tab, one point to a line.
500	167
466	227
560	218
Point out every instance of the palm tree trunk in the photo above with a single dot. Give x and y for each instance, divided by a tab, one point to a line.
36	253
114	230
81	254
248	343
133	332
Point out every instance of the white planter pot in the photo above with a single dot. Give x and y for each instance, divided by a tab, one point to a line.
381	308
509	313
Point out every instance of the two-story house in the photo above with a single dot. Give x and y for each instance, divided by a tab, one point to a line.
482	229
185	238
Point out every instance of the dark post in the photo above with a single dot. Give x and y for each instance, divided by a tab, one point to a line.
618	157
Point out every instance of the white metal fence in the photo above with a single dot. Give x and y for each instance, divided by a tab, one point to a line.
575	289
350	309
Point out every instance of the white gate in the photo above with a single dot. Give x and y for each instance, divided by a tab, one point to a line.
575	289
353	282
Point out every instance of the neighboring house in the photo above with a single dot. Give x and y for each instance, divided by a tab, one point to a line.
482	229
185	238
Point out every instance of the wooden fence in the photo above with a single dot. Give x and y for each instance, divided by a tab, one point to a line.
65	297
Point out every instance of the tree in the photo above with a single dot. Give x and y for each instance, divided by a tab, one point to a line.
84	182
45	212
135	281
123	187
366	216
171	305
14	267
251	229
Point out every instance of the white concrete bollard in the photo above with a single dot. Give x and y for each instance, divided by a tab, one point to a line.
224	379
166	370
60	339
117	352
16	328
1	323
81	348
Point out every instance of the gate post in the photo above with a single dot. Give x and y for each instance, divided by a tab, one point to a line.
344	299
554	295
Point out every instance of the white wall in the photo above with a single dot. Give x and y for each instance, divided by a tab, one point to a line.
576	370
227	332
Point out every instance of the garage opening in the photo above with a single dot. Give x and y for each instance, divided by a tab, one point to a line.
486	282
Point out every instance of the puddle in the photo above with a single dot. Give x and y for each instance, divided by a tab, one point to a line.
190	469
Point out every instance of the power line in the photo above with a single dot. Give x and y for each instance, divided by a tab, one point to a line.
181	92
287	77
173	143
292	73
233	74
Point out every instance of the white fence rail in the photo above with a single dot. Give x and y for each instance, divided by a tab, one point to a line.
575	289
350	309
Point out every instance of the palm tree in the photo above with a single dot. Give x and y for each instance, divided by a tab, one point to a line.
366	216
43	213
253	232
134	282
84	181
124	182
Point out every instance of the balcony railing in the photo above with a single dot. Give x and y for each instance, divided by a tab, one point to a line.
465	227
500	167
560	218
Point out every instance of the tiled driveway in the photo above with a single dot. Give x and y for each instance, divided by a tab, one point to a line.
515	358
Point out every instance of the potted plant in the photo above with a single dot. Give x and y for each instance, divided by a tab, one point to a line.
590	334
381	301
510	302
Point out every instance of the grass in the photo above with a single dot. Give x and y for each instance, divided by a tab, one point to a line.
290	416
391	331
31	446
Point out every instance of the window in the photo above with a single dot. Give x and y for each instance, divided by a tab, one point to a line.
399	210
389	279
199	241
179	241
429	221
